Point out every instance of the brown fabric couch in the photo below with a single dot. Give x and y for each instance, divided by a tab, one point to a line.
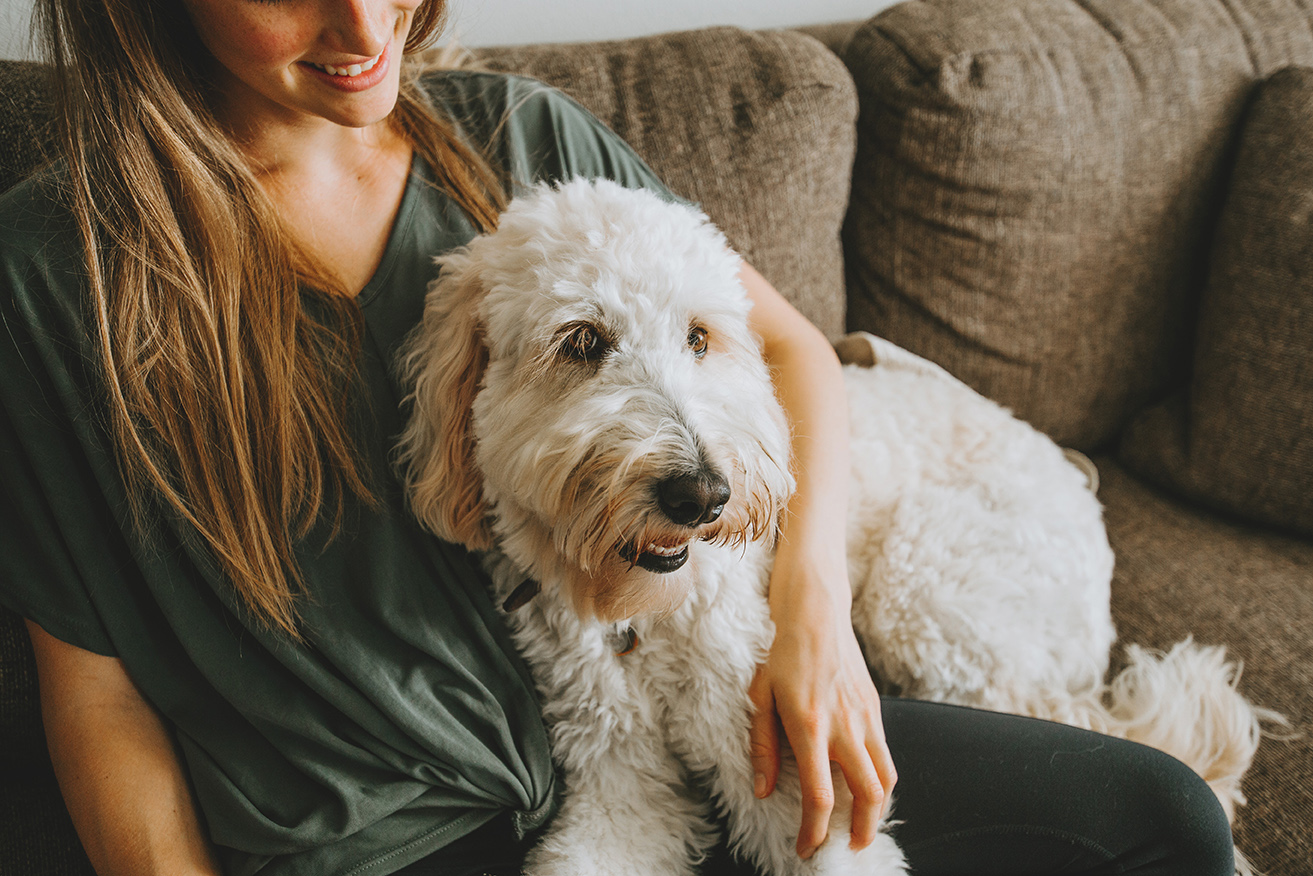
1099	213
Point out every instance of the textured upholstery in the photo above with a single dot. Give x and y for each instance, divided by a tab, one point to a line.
1239	436
1184	571
20	717
1037	181
1037	188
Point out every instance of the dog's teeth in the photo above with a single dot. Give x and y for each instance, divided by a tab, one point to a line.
663	551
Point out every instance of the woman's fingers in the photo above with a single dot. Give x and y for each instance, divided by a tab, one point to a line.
866	787
847	733
763	736
809	737
884	767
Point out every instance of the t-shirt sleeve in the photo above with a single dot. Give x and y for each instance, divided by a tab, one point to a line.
38	577
52	541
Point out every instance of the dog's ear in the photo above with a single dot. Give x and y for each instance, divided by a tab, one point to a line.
443	362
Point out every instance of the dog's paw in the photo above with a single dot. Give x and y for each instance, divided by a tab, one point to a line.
562	865
880	858
587	860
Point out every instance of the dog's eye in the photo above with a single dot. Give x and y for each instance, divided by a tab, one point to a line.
585	343
697	341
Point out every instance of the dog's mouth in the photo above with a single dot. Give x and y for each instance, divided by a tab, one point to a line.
656	556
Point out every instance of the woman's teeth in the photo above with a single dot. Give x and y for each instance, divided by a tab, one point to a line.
350	70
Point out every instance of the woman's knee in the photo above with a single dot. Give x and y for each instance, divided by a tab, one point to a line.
1193	832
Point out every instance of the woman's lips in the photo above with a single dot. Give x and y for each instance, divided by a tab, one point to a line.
352	77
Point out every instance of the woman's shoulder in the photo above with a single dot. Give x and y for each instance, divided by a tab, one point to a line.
534	130
36	221
463	92
497	108
42	268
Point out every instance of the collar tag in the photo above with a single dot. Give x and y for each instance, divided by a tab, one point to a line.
623	641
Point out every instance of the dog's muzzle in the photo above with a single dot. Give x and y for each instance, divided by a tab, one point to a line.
688	500
694	498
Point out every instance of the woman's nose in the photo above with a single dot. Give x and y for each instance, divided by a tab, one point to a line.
359	27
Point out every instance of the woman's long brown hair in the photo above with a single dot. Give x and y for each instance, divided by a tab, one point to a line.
229	360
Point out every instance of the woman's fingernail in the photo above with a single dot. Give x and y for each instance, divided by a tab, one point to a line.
759	785
807	852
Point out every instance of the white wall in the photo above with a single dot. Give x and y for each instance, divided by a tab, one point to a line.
15	16
505	22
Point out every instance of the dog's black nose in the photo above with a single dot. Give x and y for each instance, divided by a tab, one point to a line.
693	498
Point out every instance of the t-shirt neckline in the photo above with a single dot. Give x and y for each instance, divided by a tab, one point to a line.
417	176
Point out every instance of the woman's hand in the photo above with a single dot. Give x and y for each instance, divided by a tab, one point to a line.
814	685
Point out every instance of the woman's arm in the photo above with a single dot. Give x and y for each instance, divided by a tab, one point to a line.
815	683
117	767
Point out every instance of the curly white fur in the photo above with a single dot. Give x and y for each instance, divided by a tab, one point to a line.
595	348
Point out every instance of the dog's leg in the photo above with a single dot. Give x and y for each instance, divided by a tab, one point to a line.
708	720
620	819
627	810
765	831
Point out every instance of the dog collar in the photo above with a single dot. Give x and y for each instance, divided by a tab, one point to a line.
521	595
622	640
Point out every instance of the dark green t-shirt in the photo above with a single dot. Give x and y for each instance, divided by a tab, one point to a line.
404	720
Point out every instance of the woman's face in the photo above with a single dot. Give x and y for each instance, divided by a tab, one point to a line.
292	60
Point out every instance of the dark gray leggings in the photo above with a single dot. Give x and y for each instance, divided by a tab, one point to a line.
996	795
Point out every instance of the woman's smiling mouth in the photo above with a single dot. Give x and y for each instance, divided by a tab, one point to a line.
350	69
353	77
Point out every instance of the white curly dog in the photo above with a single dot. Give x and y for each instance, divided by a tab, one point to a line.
591	409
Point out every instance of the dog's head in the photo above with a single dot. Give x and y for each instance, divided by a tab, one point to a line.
587	393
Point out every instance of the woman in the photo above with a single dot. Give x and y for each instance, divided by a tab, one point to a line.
251	658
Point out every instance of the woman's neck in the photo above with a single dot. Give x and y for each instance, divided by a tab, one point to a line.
337	191
300	146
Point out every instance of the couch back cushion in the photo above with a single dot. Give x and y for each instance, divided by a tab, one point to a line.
1037	182
758	128
1239	437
